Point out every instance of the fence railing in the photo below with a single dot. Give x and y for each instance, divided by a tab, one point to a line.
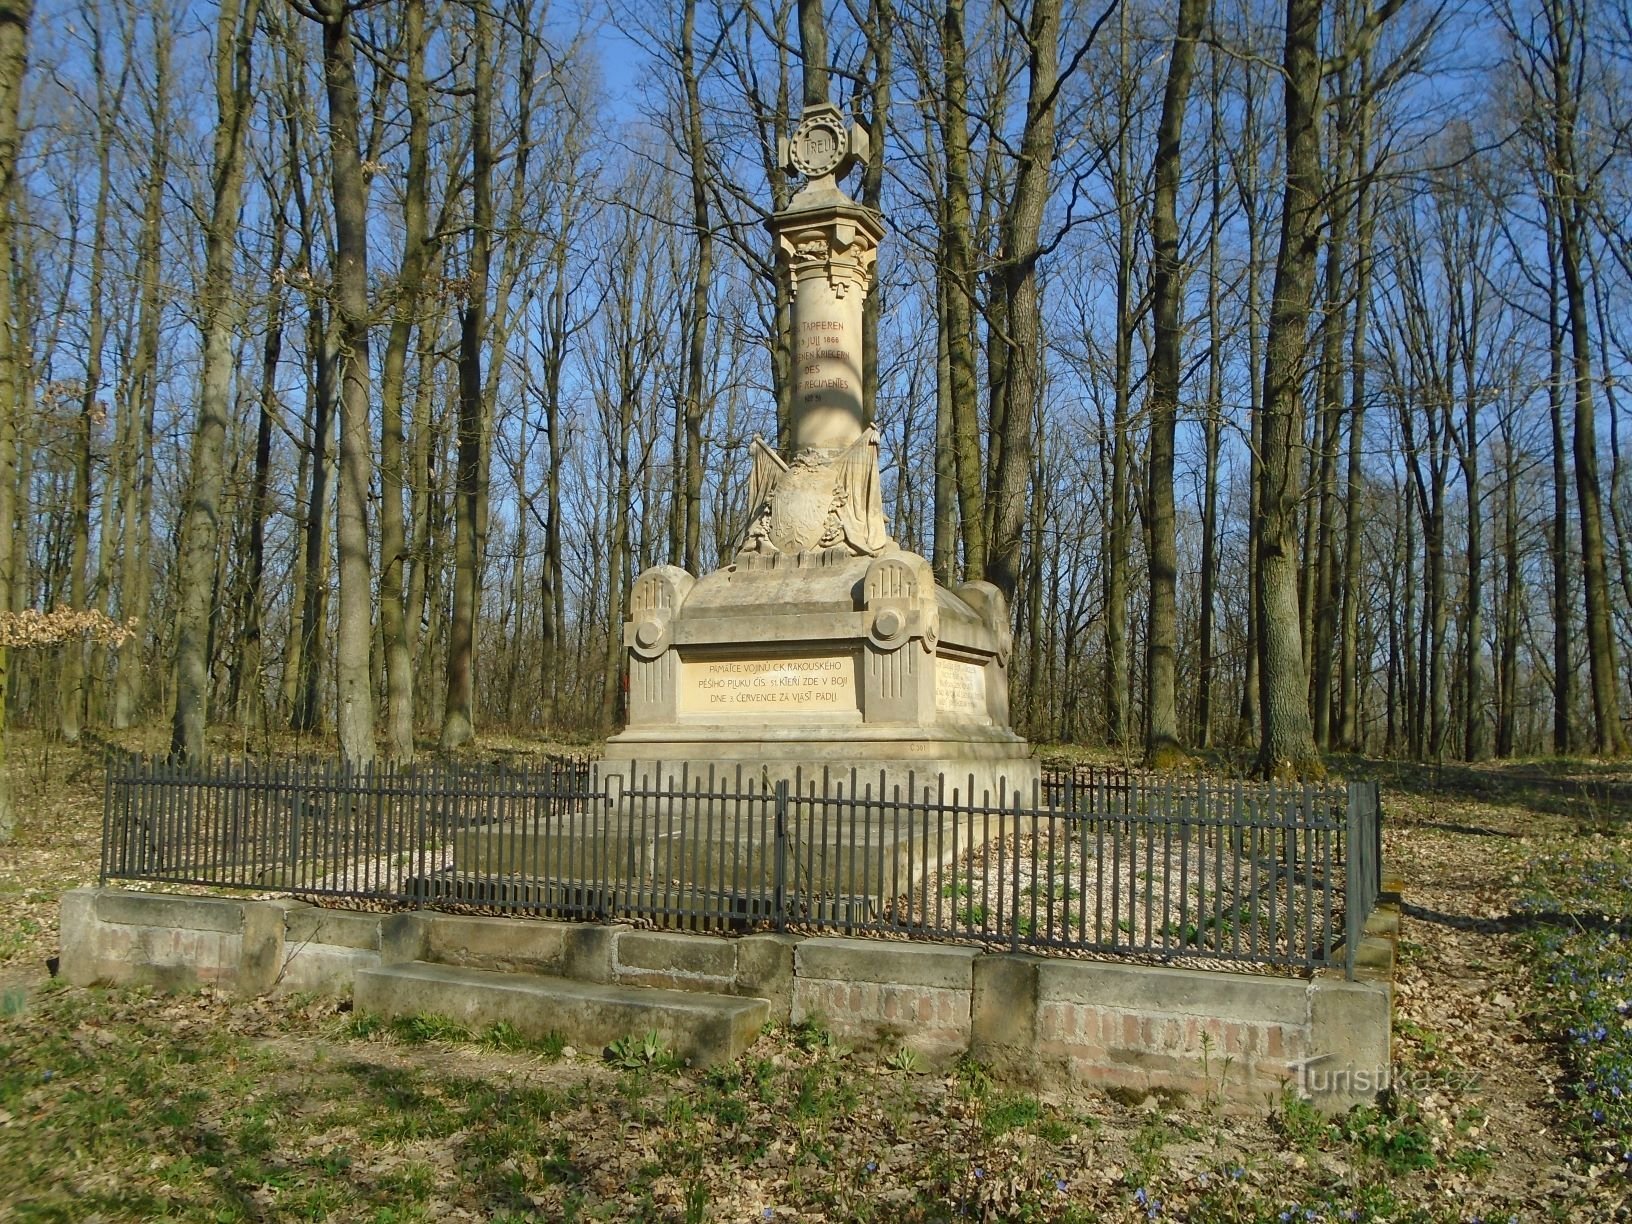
1089	861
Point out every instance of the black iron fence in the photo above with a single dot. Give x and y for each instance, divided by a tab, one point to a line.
1087	861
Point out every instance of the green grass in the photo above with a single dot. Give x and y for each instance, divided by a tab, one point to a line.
137	1108
1010	1113
420	1029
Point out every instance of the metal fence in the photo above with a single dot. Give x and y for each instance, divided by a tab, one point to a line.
1089	861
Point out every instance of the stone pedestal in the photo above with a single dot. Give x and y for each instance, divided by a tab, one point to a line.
792	665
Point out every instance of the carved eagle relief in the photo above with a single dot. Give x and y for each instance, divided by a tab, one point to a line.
819	500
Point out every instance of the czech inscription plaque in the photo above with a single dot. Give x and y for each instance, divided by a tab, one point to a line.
752	688
960	689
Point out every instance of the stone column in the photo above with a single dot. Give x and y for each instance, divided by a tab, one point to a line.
828	245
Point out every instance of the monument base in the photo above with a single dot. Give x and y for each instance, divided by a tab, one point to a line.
979	767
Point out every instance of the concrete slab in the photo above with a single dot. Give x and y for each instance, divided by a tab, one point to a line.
704	1029
940	966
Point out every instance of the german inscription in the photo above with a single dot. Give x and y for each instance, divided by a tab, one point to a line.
743	688
960	689
823	357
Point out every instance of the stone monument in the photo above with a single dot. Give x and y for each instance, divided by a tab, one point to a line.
822	644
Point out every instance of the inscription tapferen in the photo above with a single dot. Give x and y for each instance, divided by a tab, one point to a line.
821	686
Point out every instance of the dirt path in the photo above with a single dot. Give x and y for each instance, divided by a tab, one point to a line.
1464	1027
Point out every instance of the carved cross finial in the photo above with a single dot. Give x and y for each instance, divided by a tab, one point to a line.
823	148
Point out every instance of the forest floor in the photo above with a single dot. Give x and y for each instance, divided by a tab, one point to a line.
1513	1034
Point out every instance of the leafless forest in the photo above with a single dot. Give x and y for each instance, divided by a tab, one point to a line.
1270	357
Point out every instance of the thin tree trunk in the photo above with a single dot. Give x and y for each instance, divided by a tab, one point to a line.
1162	746
1212	425
354	637
458	720
15	16
1348	715
1512	593
250	704
1119	529
1323	618
1558	538
880	31
315	597
958	321
1611	738
71	707
1016	387
944	555
200	530
696	371
419	249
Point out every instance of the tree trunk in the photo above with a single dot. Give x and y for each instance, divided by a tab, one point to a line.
1570	192
1017	387
354	637
1119	528
1507	666
1212	425
218	313
71	706
419	249
696	371
142	393
944	555
1349	733
1287	743
958	322
1334	321
1162	746
15	16
1558	537
880	31
458	720
308	710
250	705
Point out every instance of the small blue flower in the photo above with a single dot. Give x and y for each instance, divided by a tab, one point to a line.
872	1166
1059	1185
1141	1196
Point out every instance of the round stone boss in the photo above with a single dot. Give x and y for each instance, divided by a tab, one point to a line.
819	145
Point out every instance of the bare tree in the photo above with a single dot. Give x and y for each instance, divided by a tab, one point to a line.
470	480
219	311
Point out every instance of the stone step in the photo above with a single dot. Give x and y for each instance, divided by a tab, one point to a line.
702	1028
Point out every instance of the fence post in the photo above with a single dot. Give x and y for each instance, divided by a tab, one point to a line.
1013	812
779	868
1376	841
1354	920
107	817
